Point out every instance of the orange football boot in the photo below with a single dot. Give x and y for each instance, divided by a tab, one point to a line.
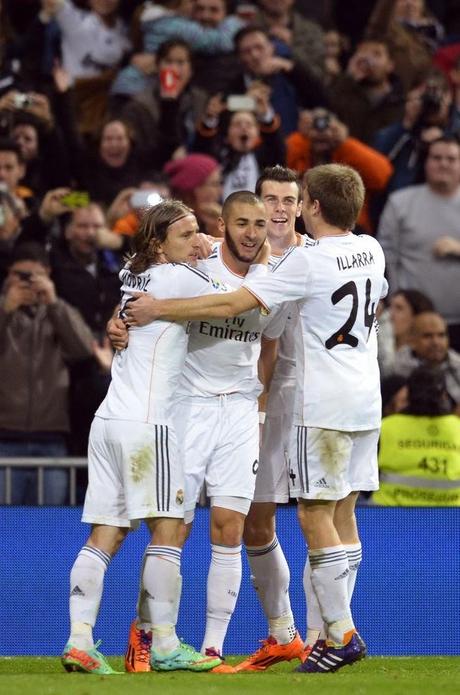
271	652
137	657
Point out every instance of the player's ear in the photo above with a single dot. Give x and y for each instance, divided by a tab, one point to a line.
298	211
221	226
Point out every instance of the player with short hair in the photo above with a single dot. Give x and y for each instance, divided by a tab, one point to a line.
133	463
337	284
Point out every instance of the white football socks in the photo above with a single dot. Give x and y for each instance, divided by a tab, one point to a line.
355	555
329	576
161	584
223	586
86	586
315	625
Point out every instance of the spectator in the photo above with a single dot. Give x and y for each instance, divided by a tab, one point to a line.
40	335
291	86
93	41
244	141
321	139
39	146
428	114
429	347
171	106
13	199
420	234
411	33
208	32
335	45
87	278
197	180
295	36
117	164
368	96
419	457
395	325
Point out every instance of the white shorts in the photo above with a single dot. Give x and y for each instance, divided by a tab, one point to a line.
133	473
328	465
272	483
219	446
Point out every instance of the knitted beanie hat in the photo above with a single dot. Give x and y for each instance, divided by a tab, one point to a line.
190	172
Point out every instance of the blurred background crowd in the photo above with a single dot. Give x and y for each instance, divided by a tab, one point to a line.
107	104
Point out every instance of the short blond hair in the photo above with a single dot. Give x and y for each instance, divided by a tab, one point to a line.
340	191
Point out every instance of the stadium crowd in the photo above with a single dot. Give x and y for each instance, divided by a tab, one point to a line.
105	104
125	128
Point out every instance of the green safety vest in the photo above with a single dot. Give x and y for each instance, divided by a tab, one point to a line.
419	461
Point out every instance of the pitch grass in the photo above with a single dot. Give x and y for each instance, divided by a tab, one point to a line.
377	675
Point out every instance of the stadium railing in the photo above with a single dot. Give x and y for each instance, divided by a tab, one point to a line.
72	463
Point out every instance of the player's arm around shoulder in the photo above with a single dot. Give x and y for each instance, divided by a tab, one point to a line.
223	305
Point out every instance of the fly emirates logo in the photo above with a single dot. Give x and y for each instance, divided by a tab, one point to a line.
230	329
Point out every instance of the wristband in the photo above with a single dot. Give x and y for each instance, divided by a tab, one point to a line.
262	417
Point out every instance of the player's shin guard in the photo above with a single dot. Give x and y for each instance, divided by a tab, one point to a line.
224	580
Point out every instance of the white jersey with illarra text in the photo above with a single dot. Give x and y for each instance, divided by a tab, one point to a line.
223	353
337	284
145	375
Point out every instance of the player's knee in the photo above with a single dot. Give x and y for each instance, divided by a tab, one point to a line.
227	528
257	532
167	531
107	538
259	526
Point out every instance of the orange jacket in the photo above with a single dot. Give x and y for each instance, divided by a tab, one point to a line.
374	167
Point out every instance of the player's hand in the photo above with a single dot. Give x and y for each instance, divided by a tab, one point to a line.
117	333
141	310
446	246
205	243
264	253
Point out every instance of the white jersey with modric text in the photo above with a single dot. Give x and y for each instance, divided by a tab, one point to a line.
145	375
223	353
337	284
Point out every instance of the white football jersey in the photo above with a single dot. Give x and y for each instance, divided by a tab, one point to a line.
282	387
223	353
337	284
145	375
